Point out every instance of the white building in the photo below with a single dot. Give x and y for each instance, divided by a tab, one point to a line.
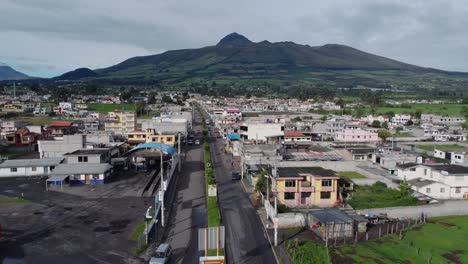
400	119
439	181
442	120
28	167
66	106
261	131
454	156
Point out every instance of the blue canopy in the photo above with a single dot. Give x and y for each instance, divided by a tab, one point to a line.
233	136
153	145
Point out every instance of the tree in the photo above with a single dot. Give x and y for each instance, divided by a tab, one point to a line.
140	106
324	118
418	113
384	125
409	123
297	119
376	124
152	98
261	185
359	112
384	134
167	99
404	188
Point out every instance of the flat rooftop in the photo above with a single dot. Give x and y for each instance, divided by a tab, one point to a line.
95	151
295	171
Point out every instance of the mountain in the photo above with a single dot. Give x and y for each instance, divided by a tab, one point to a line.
80	73
237	59
8	73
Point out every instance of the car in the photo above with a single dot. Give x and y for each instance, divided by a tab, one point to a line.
162	254
197	142
190	142
235	176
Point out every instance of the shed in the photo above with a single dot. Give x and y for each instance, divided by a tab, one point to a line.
331	223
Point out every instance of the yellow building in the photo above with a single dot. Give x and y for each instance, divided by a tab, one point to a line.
121	122
306	187
139	137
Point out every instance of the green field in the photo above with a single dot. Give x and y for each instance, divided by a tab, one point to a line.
105	108
379	196
441	240
444	147
4	199
440	109
303	251
351	175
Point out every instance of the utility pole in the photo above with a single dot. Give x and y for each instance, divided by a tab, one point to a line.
178	153
161	187
275	175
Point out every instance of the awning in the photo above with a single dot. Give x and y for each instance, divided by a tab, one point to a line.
57	178
233	136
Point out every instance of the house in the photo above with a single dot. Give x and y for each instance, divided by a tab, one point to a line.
333	223
356	136
150	135
442	120
449	137
61	128
83	173
89	156
440	181
22	137
28	167
400	119
121	122
361	153
11	126
453	156
294	136
306	187
172	125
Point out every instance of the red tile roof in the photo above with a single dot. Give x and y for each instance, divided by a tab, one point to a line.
61	124
293	134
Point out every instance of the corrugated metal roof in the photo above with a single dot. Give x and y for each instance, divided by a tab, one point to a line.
81	168
30	163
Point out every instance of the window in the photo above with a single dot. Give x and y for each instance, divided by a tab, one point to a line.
289	196
326	183
325	195
305	194
458	190
442	190
428	190
33	169
425	171
412	169
13	169
82	158
290	183
95	176
169	139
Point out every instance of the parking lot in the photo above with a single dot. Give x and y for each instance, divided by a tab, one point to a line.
64	227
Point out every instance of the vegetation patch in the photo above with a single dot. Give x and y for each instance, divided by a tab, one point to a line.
105	108
4	199
444	147
304	251
379	195
213	212
351	175
137	230
429	243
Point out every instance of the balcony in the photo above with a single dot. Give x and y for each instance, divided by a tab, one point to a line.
326	189
306	186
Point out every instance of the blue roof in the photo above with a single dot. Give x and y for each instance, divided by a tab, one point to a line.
233	136
154	145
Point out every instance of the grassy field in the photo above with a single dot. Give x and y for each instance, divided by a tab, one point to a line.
105	108
351	175
213	212
441	240
4	199
303	251
443	147
441	109
378	196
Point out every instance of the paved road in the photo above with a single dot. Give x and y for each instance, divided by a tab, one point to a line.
246	241
189	208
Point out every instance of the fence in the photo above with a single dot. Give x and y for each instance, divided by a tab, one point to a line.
446	208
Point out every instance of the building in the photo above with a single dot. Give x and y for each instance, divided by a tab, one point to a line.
150	135
449	137
90	156
83	173
334	223
28	167
167	126
60	128
11	126
442	120
121	122
400	119
356	136
22	137
294	136
261	132
306	187
454	156
440	181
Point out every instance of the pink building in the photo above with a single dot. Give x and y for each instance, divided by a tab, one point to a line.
356	136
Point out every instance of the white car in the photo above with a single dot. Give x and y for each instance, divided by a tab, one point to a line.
197	142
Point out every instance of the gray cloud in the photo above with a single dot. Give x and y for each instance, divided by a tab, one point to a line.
37	34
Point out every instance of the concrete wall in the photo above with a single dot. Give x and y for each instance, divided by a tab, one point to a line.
289	220
447	208
56	148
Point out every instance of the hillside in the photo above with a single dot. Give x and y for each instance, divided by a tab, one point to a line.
237	59
8	73
77	74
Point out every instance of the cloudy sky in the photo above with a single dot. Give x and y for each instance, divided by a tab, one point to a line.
48	37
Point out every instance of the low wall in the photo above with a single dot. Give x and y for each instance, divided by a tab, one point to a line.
290	220
447	208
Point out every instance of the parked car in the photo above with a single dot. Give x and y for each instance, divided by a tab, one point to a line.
190	142
162	254
235	176
197	142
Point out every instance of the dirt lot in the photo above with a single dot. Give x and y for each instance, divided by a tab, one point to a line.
60	227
